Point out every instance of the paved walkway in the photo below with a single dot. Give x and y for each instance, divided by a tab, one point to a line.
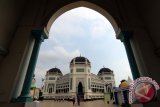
97	103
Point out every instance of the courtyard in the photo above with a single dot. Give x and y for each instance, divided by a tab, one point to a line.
96	103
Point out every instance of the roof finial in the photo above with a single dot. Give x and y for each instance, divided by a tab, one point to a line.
80	54
55	66
103	66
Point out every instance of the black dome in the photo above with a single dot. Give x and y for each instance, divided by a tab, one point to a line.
54	70
105	70
79	59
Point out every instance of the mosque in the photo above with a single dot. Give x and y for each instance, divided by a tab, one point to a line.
80	81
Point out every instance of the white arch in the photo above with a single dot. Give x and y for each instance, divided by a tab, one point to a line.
82	4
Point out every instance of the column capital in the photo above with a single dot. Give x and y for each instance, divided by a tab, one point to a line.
125	35
39	34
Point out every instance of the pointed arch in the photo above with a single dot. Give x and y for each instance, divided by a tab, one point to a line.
80	88
82	4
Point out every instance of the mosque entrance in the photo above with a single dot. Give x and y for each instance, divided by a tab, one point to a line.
108	88
80	92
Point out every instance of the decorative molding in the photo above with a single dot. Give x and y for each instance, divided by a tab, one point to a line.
80	79
118	33
46	32
39	34
124	35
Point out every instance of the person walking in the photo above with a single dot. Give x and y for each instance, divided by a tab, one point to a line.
73	100
78	100
111	95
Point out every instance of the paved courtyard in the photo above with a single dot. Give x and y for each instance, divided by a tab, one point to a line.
98	103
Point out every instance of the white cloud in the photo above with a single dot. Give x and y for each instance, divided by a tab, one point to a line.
98	30
86	13
58	53
67	30
68	25
72	24
39	74
121	69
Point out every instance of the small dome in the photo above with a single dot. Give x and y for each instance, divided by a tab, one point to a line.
54	71
104	71
80	60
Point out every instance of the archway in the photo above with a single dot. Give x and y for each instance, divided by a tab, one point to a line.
124	36
82	4
100	10
108	88
23	21
80	92
62	13
85	4
80	89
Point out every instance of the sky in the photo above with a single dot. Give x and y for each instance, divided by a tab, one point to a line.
82	31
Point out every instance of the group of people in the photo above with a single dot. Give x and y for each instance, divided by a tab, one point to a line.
76	100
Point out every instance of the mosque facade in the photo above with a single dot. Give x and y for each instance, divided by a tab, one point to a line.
80	81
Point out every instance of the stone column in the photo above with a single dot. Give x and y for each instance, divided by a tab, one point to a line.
125	38
148	61
23	69
39	37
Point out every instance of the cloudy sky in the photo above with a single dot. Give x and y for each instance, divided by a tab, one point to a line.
84	32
